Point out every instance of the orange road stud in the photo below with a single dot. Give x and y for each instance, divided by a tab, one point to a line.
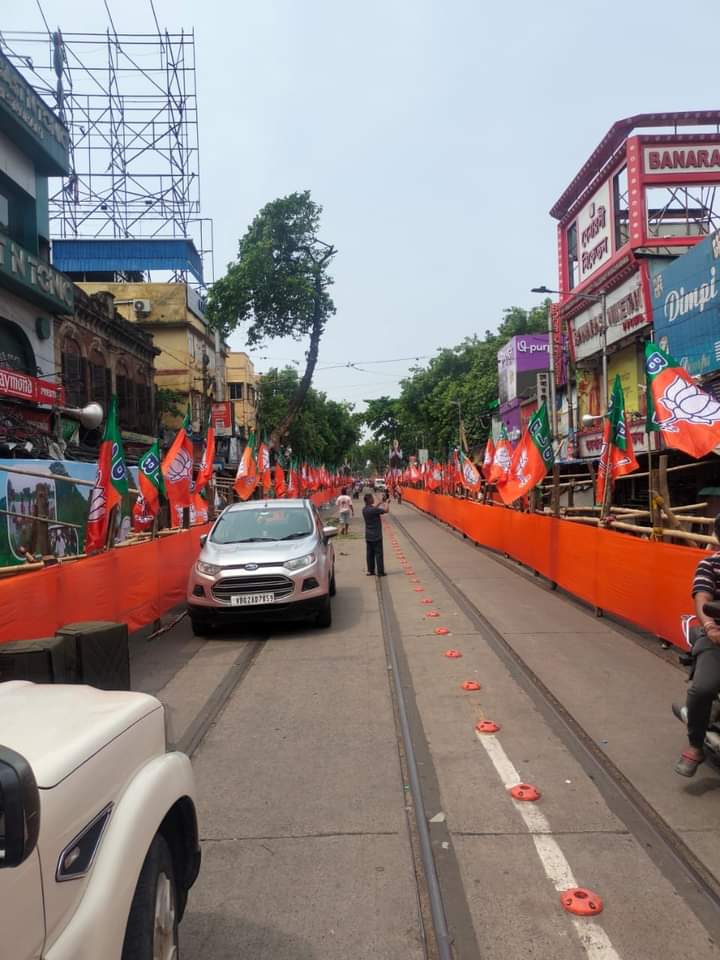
419	589
442	631
470	685
452	654
432	614
581	902
426	600
414	580
487	726
524	791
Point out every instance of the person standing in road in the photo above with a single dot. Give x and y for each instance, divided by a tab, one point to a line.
705	684
345	508
373	535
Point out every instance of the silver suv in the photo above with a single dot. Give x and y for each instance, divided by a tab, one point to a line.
265	558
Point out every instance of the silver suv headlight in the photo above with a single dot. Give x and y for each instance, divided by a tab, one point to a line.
299	562
209	569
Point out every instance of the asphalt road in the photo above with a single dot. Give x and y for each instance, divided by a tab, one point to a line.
309	844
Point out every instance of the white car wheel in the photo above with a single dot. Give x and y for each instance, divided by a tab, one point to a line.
165	927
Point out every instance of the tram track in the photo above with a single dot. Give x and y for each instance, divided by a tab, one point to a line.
698	886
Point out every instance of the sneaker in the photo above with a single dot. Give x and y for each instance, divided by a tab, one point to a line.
680	712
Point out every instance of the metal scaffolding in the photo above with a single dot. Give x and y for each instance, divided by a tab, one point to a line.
130	104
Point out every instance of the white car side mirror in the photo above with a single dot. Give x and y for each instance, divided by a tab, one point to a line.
330	532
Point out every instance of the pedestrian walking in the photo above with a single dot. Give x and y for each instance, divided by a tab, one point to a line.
373	535
345	508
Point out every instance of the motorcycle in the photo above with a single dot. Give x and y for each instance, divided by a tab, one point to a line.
690	627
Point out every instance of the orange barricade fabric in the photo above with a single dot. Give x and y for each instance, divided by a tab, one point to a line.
132	585
645	582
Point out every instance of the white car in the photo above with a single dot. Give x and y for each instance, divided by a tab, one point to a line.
98	833
379	484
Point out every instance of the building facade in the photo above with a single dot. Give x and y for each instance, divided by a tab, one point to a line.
102	354
188	362
242	387
33	147
641	200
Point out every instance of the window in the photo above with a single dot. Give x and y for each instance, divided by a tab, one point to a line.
573	267
690	210
143	393
73	373
100	385
126	397
236	391
620	208
4	214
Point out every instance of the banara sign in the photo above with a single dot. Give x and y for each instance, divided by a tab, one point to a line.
686	307
30	121
34	279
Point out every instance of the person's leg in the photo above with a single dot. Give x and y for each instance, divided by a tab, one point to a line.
704	687
370	556
380	558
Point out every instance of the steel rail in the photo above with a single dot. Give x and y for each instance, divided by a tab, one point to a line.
437	905
695	883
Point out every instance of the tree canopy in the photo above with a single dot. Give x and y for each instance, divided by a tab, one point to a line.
278	286
323	430
426	412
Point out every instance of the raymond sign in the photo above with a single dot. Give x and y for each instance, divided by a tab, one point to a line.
23	387
222	418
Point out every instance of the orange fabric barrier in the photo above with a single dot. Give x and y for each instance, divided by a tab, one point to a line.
642	581
132	585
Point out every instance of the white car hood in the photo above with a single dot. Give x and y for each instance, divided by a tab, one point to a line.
57	727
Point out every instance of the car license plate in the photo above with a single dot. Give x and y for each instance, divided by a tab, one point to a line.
250	599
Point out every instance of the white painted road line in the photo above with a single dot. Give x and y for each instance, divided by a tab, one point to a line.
594	940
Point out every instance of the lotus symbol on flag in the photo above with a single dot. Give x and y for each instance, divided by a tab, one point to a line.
521	475
98	504
686	402
502	458
181	467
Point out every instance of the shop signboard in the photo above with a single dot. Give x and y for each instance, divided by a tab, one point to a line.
25	499
626	311
21	386
221	414
519	362
510	416
594	234
661	159
32	278
686	307
590	444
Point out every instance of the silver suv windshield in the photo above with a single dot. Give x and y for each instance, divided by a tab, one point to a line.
262	524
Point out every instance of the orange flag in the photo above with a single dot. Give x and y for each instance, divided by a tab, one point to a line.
246	478
264	467
280	485
532	459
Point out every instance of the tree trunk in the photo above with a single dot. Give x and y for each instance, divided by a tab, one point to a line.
297	401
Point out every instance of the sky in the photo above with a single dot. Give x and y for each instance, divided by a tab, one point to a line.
436	134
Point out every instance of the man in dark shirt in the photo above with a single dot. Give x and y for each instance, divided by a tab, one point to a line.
373	535
705	684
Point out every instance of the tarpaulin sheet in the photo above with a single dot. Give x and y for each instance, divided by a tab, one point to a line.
133	585
644	582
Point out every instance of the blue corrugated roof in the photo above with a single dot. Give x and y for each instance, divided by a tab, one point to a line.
94	256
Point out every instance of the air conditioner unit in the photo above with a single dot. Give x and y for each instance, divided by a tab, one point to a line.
142	306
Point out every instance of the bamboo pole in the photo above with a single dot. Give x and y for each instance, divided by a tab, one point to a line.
31	517
681	534
54	476
21	568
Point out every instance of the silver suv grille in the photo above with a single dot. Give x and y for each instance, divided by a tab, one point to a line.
276	584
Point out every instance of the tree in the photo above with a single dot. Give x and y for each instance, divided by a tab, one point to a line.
323	430
426	412
279	287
